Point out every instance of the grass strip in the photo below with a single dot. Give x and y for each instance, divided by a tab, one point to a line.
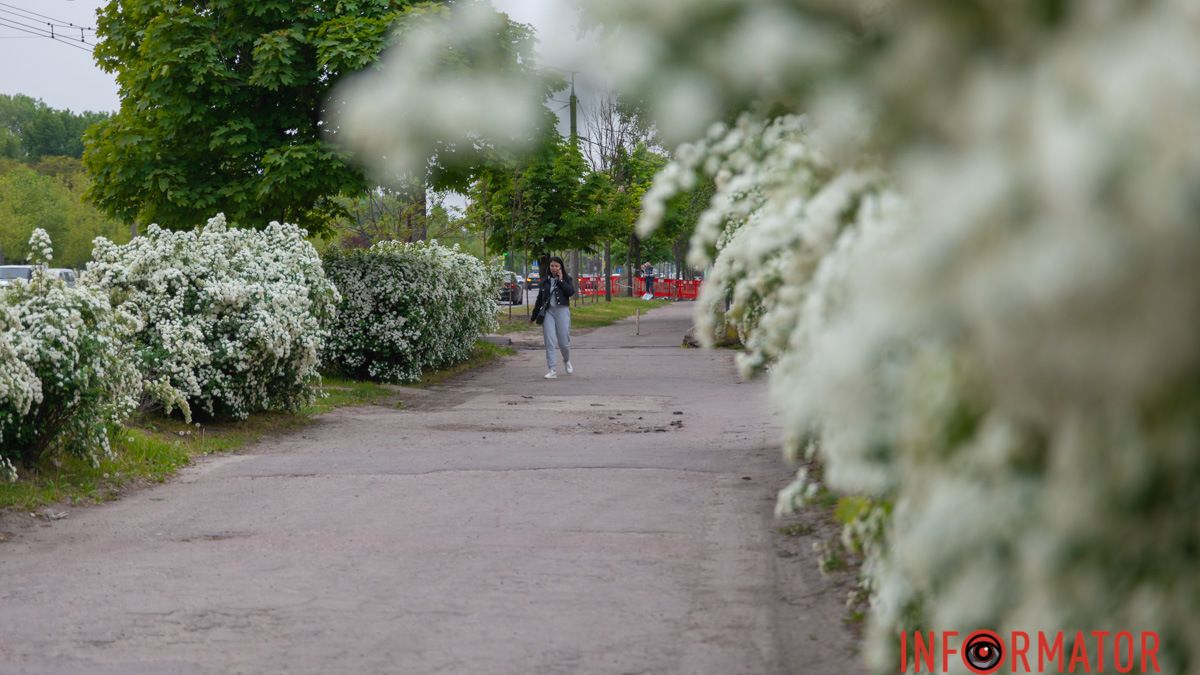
587	314
483	354
152	448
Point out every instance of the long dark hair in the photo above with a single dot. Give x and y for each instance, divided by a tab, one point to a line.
563	265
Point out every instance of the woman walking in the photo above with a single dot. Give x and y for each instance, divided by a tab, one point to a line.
553	311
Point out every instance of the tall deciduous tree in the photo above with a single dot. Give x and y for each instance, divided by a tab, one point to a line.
49	195
31	130
536	203
222	104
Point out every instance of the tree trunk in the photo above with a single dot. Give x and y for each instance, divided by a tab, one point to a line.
629	267
576	270
607	271
679	249
415	213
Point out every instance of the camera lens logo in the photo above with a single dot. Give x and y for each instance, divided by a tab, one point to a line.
983	652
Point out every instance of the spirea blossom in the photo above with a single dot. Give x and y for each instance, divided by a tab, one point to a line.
961	239
1003	358
449	84
66	368
407	307
229	320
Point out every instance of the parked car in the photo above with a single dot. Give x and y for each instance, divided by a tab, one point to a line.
9	273
64	274
512	290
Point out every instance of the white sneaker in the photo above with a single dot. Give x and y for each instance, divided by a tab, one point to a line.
570	368
551	375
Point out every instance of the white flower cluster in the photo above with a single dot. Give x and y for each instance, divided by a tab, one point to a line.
1008	353
41	250
1013	363
20	388
228	320
407	307
430	92
66	369
780	225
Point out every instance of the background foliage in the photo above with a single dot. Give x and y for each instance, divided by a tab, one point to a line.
222	106
31	130
49	195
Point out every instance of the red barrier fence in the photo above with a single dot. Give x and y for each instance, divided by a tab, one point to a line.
676	289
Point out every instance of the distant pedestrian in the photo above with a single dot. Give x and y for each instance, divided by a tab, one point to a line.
553	310
648	277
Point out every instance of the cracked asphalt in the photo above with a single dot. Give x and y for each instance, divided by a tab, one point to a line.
614	521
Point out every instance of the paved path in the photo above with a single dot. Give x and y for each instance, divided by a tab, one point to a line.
497	524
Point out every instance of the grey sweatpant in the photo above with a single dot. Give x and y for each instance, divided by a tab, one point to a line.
556	329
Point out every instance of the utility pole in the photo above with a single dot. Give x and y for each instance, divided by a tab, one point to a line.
574	102
607	270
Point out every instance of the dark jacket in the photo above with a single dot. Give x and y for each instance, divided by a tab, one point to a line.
563	291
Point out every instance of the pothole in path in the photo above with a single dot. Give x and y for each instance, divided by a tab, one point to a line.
583	403
214	536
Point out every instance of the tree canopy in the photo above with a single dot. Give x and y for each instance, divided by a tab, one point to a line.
536	203
49	195
31	130
222	103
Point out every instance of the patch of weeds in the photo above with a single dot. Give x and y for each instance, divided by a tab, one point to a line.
341	392
825	498
849	508
831	559
140	457
796	530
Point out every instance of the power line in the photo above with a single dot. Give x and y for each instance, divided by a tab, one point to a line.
38	26
6	23
17	21
62	23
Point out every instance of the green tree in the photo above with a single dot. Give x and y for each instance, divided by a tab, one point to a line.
31	130
537	203
54	202
673	237
222	104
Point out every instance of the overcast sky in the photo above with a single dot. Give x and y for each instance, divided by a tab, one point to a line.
66	77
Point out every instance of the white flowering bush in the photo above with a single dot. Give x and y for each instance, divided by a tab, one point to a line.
421	104
407	307
781	222
229	320
66	368
20	388
972	276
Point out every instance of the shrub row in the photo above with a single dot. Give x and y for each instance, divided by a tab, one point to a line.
408	307
219	321
228	320
66	367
